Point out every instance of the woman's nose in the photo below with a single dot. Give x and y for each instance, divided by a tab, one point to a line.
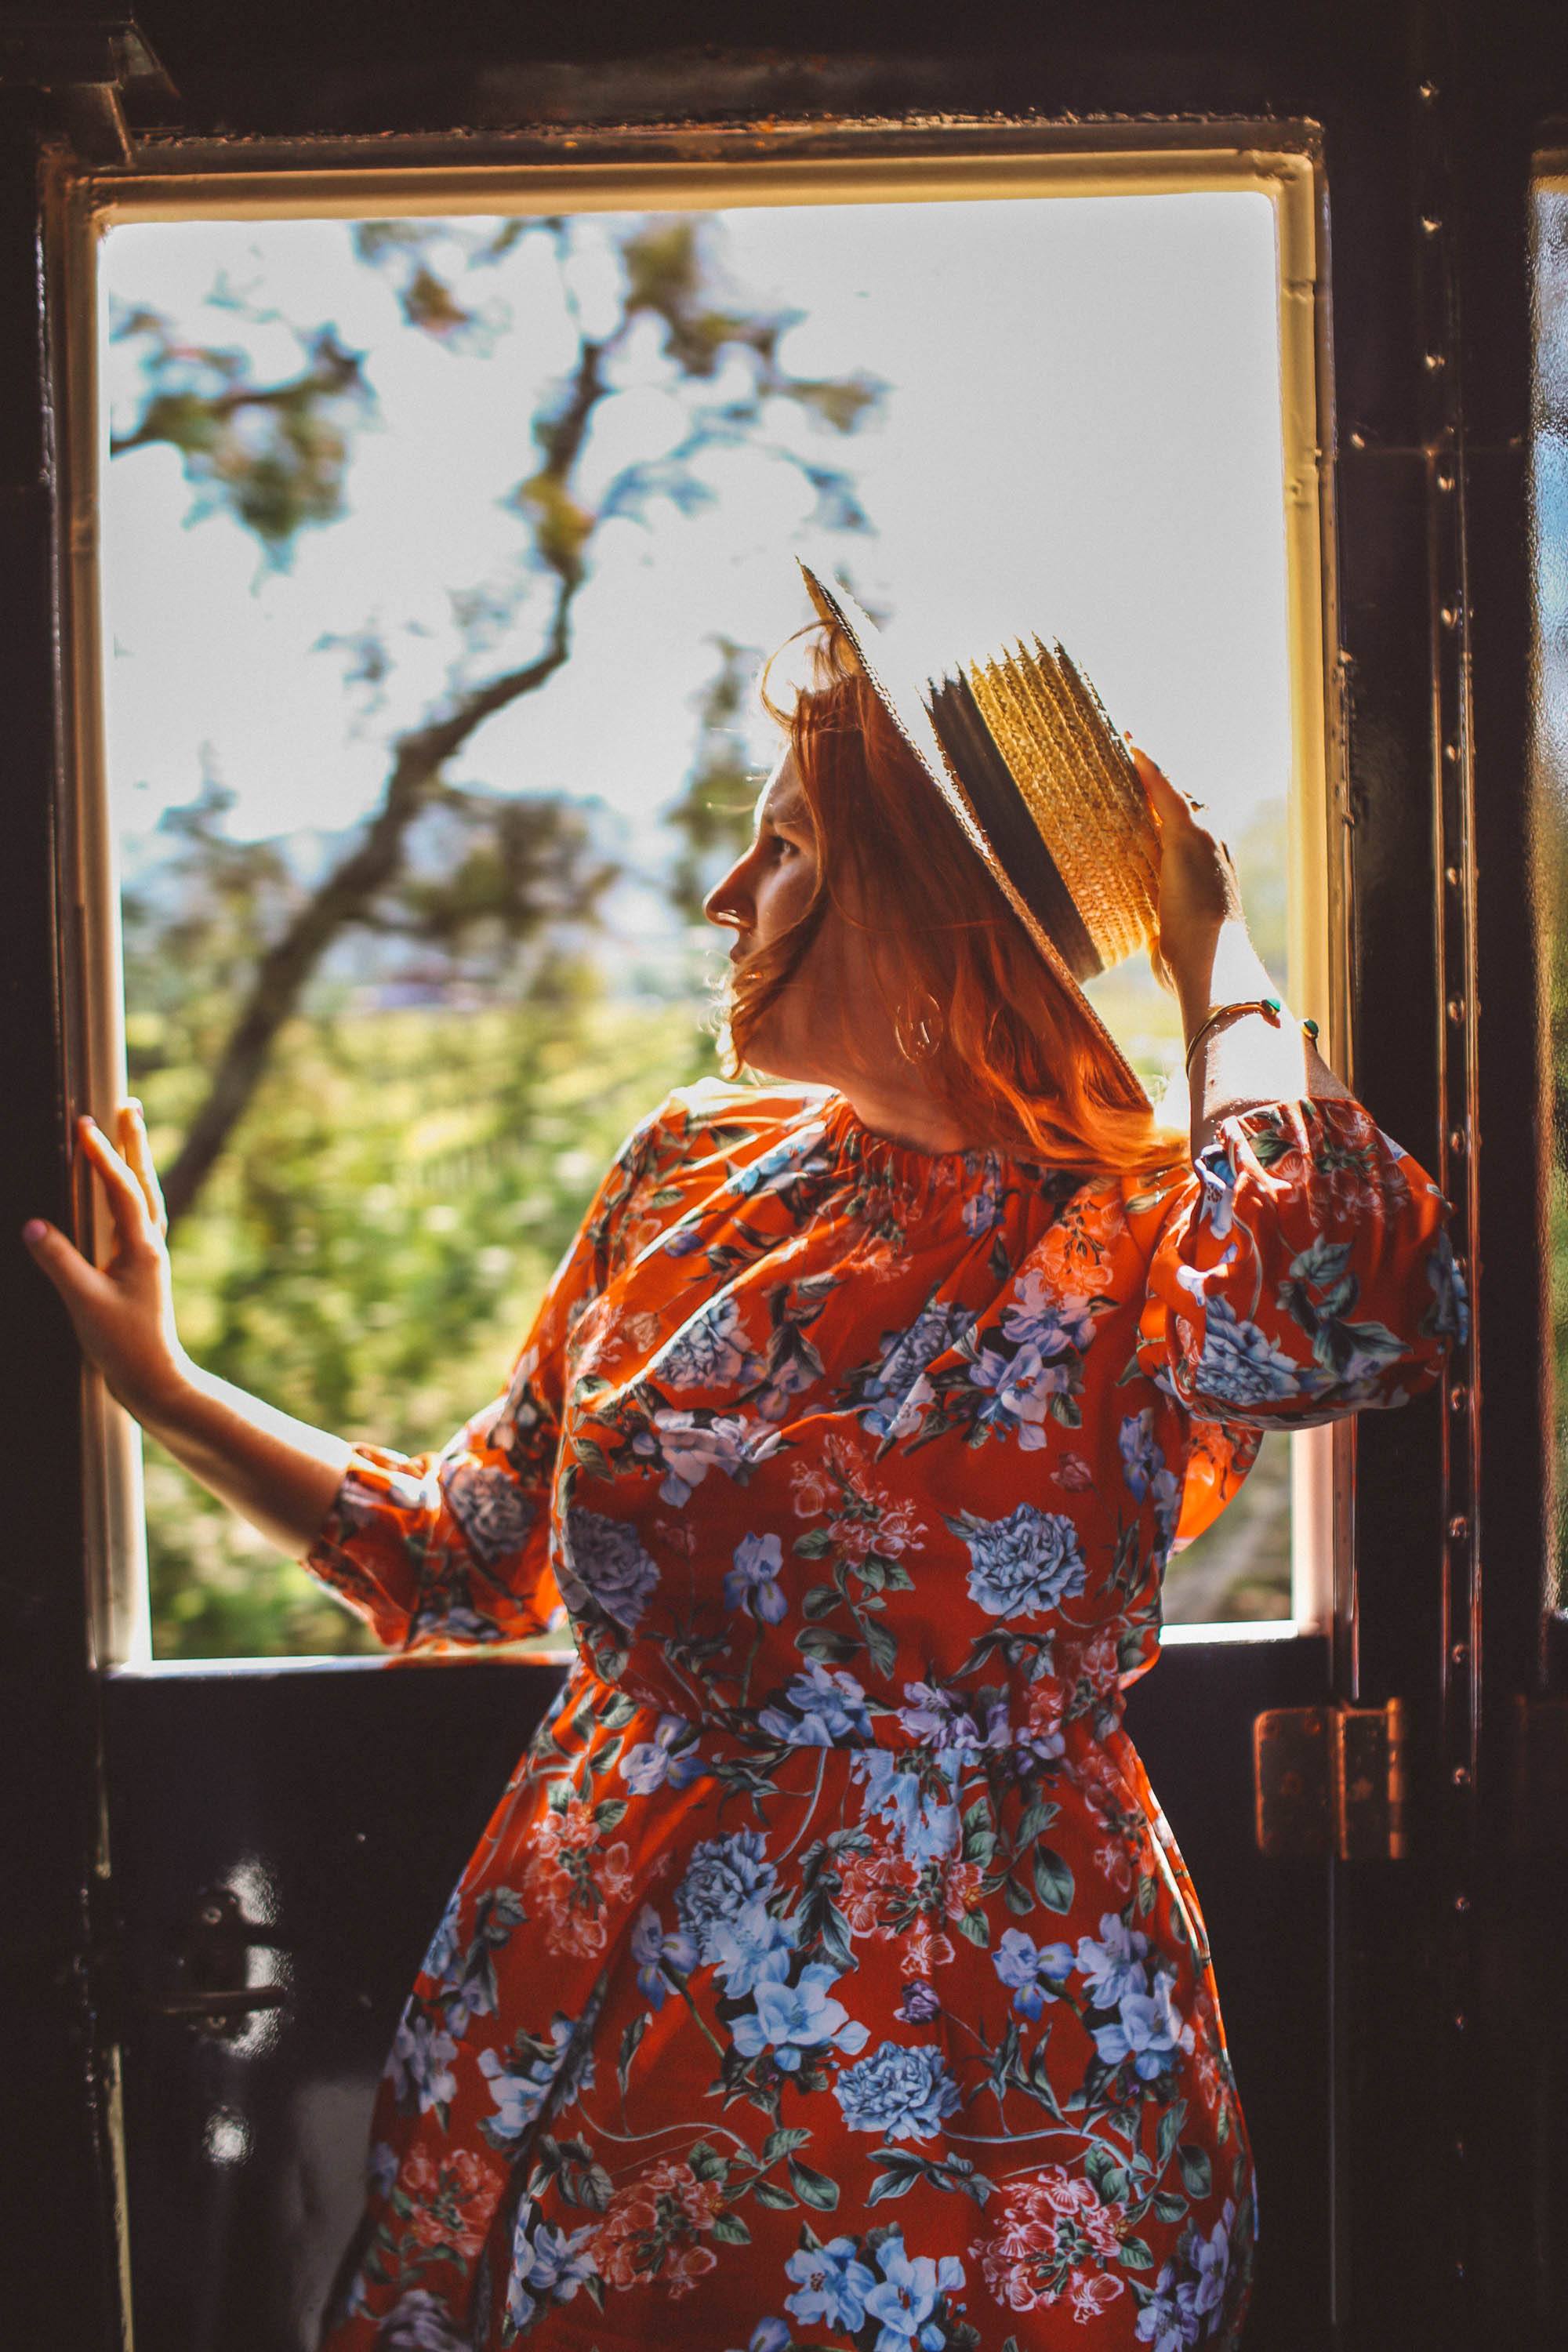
725	903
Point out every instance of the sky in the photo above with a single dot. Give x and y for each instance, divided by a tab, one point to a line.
1079	438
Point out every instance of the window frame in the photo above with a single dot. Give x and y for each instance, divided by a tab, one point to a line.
723	170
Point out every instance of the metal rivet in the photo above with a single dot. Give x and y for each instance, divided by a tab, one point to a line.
1444	482
1459	1653
1459	2150
1428	90
1455	1008
1458	2270
1452	873
1458	1397
1461	1776
1430	224
1456	1141
1450	616
1433	360
1459	1527
1358	440
1460	2021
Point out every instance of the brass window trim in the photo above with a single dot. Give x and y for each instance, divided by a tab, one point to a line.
695	169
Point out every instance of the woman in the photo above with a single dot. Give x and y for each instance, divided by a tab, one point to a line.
828	1973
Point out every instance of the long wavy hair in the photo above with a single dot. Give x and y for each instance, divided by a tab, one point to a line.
997	1038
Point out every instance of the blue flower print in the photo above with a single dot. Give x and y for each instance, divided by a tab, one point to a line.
689	1444
1148	2029
905	2302
746	1947
420	2322
606	1568
1020	1387
382	2168
723	1875
768	2336
1031	1559
752	1582
444	1945
982	1207
920	2004
1449	1317
831	2284
1035	1973
791	2019
1051	1322
899	1789
1210	2256
974	1723
1240	1364
491	1509
1144	1469
420	2065
1216	1206
544	2263
710	1351
1116	1963
888	1389
535	2073
660	1959
668	1760
903	2092
787	1162
832	1710
1170	2320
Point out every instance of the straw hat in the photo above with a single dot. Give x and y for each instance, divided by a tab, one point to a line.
1020	747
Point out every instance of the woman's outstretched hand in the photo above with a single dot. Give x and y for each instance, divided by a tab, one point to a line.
1199	892
124	1312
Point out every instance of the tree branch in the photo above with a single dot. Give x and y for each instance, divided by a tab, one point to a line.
340	899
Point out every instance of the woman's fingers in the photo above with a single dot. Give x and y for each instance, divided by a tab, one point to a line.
126	1201
138	1154
76	1281
1164	798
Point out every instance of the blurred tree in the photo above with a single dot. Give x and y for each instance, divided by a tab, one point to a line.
713	815
277	454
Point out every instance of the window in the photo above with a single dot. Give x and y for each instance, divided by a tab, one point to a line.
373	449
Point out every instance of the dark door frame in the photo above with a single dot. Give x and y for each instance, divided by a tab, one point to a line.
1453	2140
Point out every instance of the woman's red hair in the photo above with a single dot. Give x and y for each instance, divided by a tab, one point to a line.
1014	1061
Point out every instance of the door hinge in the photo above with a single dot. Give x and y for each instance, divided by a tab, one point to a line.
1330	1779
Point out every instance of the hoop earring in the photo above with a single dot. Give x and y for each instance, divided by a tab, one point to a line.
928	1032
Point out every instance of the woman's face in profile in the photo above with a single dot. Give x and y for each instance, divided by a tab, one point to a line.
829	1015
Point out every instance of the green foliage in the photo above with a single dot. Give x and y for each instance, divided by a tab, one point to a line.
276	453
370	1251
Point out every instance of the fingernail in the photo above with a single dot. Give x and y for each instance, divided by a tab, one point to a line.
33	1231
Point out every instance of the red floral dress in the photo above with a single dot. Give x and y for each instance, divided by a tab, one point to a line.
828	1974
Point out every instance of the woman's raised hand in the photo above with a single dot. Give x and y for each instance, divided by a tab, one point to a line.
124	1312
1199	892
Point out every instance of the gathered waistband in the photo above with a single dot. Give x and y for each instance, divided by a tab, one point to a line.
935	1723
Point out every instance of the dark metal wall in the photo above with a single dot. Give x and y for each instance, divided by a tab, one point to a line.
1452	2118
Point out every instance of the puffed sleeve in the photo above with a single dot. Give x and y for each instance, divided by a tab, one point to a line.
454	1546
1299	1269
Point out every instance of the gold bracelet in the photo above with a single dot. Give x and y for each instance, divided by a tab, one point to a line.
1269	1007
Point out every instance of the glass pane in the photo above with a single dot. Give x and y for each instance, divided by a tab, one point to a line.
365	474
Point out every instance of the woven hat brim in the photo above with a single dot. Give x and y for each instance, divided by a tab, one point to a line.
901	689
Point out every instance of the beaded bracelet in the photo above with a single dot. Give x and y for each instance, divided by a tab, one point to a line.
1269	1007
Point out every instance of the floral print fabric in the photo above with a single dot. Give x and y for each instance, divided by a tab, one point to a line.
828	1974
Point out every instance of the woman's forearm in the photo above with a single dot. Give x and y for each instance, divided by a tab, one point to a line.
279	1473
1243	1060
